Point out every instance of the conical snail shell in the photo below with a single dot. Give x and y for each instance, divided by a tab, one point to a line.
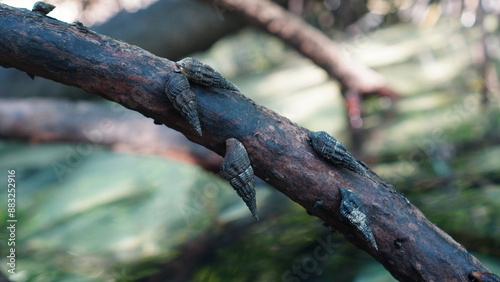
202	74
183	99
334	151
236	168
352	210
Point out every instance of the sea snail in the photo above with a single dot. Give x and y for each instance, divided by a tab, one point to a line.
236	169
202	74
352	211
183	99
42	8
334	151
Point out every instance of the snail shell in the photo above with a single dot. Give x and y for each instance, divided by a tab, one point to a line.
334	151
236	169
183	99
352	210
202	74
42	7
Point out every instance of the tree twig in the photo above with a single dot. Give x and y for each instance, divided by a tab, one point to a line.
409	246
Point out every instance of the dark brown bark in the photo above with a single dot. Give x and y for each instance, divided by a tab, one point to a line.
47	120
410	246
191	24
312	43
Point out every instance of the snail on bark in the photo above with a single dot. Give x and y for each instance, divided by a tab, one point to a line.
237	169
202	74
334	152
183	99
42	7
352	211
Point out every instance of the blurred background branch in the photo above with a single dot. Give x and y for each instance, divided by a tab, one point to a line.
42	120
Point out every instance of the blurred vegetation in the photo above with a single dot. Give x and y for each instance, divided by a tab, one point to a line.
118	217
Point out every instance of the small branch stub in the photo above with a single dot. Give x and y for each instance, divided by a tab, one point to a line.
352	210
237	169
202	74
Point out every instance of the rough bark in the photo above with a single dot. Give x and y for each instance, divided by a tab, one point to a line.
409	246
38	120
191	24
311	42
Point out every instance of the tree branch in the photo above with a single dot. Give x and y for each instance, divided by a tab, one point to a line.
187	24
312	43
48	120
409	246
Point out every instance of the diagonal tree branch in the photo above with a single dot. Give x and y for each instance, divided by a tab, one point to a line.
312	43
409	246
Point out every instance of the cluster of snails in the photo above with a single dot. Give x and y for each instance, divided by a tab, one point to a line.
351	206
179	91
236	167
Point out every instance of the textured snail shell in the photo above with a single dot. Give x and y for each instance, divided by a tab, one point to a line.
183	99
352	210
202	74
236	169
334	151
42	7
